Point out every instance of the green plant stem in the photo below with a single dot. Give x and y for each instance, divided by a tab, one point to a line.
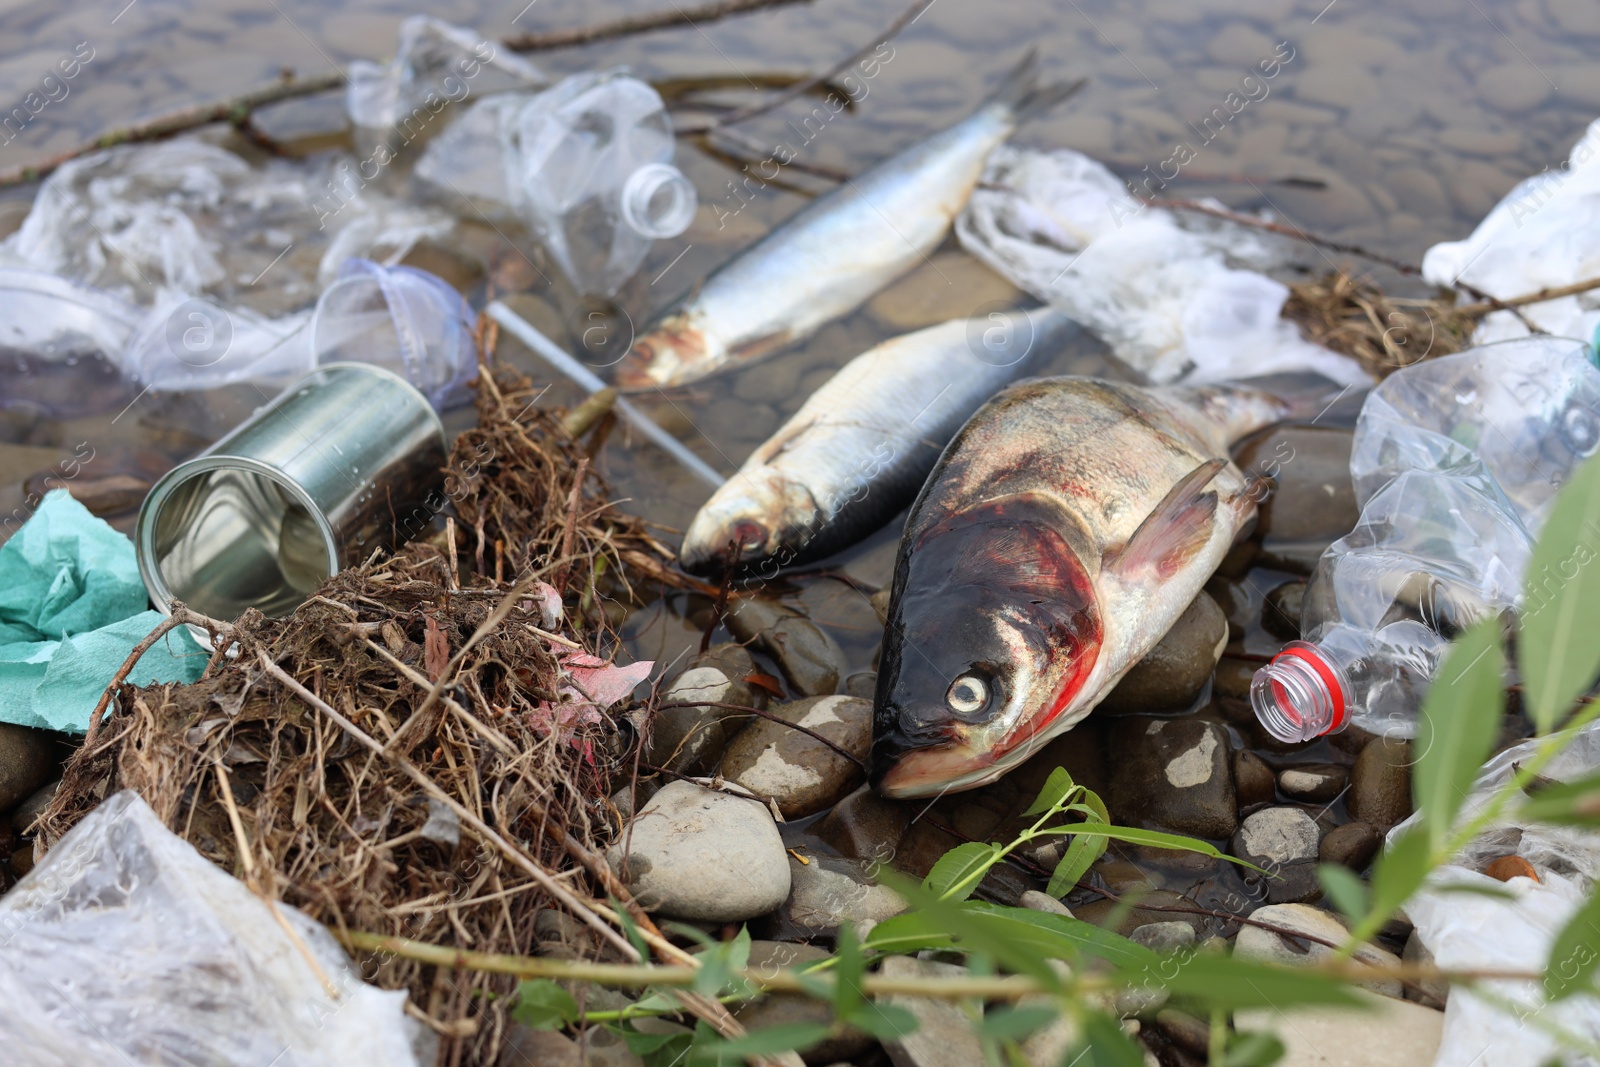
1548	748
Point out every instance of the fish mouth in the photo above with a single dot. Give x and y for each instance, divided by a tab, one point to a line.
699	555
933	769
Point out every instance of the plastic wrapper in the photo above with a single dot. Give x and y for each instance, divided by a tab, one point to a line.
1545	233
436	64
1466	930
61	345
586	165
125	945
1174	302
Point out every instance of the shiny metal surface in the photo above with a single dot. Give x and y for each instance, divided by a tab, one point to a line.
347	460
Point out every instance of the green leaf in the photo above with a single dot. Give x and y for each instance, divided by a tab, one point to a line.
1101	1043
976	930
630	929
1228	983
1252	1049
1148	837
1056	936
668	1047
847	974
782	1037
959	871
1347	892
1460	722
1057	792
543	1005
1574	803
1556	649
1400	871
1081	854
1016	1022
1575	953
885	1022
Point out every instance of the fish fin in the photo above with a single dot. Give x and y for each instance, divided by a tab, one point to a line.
1023	94
1176	530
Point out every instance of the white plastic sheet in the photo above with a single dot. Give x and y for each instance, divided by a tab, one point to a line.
125	945
1175	303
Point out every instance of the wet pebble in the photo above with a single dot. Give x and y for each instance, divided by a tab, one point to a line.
1184	1030
1380	789
1176	774
28	759
1165	937
794	1009
1432	992
1282	841
1034	900
1233	676
947	286
1314	498
703	856
1378	1033
1256	943
1280	614
527	1047
1103	912
1513	88
827	892
1354	845
810	659
689	740
23	814
944	1036
865	826
803	775
863	684
1318	782
1256	783
1174	672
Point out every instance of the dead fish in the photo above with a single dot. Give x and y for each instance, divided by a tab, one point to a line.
833	254
863	444
1062	533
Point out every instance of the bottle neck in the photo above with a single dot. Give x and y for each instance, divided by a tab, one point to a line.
1301	694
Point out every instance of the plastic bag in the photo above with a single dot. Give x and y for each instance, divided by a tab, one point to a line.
1544	233
585	165
61	345
1467	931
1169	299
436	64
125	945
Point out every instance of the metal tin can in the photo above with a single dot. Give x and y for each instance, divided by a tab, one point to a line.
336	466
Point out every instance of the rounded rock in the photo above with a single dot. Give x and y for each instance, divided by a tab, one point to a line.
1283	842
692	853
1174	672
1319	782
1176	775
1380	789
803	775
1257	943
1256	783
1353	845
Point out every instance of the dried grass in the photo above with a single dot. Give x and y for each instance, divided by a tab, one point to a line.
1384	333
333	829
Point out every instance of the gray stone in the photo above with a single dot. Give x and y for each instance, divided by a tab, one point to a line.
1174	672
1353	845
28	759
1380	789
862	684
1166	937
865	826
1176	774
788	1009
1282	841
1431	992
701	855
1280	612
1256	783
810	659
1314	500
1319	782
803	775
23	814
827	892
1127	920
944	1036
1256	943
1380	1032
1034	900
689	740
526	1047
1184	1030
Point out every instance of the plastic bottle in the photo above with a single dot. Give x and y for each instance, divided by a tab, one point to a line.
1455	462
589	167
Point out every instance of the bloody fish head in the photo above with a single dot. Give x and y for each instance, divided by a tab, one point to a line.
663	356
993	629
756	513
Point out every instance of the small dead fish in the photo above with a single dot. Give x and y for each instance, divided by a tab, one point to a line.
862	445
832	255
1064	530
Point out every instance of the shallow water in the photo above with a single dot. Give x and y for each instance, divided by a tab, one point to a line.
1414	119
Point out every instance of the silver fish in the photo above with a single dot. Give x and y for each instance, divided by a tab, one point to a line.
1064	530
832	255
861	446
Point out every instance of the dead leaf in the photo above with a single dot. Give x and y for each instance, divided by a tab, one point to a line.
765	681
435	648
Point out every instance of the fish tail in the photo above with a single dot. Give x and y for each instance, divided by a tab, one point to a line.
1024	97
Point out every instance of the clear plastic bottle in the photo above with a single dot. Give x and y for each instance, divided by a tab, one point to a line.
1455	463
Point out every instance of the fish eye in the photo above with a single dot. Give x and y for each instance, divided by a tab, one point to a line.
1581	430
967	694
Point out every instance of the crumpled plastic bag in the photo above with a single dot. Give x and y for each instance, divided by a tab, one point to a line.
434	64
1471	931
1169	299
125	945
1545	233
72	606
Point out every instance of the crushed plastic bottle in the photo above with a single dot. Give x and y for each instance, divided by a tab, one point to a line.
586	165
1455	462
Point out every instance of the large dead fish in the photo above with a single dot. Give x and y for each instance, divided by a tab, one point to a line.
859	449
1062	533
832	255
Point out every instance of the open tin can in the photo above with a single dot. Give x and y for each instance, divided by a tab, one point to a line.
347	460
